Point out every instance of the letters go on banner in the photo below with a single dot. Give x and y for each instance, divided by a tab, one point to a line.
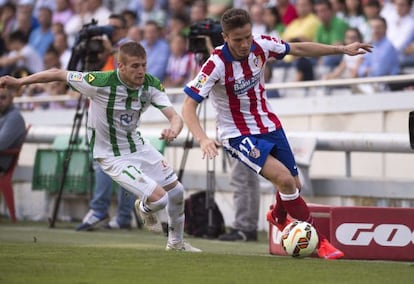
362	232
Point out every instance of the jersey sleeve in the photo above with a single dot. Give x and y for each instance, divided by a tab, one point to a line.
273	46
79	81
209	74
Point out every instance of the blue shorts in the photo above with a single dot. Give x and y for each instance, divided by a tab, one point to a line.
253	150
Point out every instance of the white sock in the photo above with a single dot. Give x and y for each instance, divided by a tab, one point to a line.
154	206
175	209
287	197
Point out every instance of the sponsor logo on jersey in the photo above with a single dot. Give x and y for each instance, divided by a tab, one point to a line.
243	85
90	77
75	77
258	61
126	119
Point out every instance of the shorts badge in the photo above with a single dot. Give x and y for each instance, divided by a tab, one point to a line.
254	153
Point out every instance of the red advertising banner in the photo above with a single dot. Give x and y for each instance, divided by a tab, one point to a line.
362	232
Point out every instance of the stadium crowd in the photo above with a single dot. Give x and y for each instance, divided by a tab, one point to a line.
40	34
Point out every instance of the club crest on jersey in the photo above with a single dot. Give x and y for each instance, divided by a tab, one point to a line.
258	61
75	77
254	153
201	80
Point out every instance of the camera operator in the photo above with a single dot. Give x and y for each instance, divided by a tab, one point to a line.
118	37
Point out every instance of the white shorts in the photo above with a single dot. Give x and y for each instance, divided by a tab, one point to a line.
139	172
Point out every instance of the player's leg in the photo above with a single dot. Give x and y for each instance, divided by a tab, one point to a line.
155	166
286	179
127	171
100	203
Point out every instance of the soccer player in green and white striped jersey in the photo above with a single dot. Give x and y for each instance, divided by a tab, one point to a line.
117	100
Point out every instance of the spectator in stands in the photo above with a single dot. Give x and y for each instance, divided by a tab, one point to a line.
157	49
12	127
331	31
180	63
21	56
117	38
152	12
60	44
407	57
272	20
217	7
246	201
135	33
7	19
348	68
355	18
372	9
287	11
400	25
63	12
305	25
131	18
25	21
42	37
338	7
80	17
384	57
98	11
177	24
178	8
198	11
233	78
257	13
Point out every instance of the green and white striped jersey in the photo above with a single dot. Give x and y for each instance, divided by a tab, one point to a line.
115	109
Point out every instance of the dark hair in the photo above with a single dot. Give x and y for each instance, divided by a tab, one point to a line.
357	31
381	19
120	18
234	18
327	3
132	48
18	36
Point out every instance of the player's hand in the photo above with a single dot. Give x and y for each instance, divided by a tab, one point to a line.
356	48
208	148
168	134
9	82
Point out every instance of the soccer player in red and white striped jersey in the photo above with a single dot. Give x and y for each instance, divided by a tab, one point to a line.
233	78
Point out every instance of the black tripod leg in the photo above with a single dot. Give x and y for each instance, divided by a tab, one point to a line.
411	129
81	108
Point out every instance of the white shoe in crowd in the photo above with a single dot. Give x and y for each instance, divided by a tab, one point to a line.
183	246
149	219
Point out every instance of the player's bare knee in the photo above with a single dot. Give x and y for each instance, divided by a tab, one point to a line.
286	184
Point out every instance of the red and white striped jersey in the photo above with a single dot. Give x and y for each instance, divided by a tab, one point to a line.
237	88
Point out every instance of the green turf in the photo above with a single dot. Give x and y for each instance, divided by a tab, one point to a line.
33	253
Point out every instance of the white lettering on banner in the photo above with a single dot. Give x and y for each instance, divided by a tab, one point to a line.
362	234
276	235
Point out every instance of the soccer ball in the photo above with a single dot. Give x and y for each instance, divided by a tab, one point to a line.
299	239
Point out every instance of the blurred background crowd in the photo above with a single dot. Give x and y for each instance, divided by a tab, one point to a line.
42	34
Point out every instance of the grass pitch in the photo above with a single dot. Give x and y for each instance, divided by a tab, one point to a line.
33	253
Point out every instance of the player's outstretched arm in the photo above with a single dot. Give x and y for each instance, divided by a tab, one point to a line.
46	76
313	49
189	113
176	124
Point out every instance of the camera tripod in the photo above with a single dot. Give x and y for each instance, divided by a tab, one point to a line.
78	57
210	172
